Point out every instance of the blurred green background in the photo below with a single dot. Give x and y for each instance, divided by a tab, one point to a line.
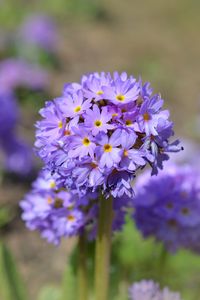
157	40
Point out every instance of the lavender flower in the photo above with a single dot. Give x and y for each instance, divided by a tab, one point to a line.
145	290
39	30
18	155
98	121
168	207
8	114
52	211
149	290
103	127
57	213
168	295
18	73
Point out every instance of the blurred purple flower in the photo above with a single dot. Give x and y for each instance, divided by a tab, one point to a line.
16	73
8	114
40	31
18	156
145	290
149	290
168	207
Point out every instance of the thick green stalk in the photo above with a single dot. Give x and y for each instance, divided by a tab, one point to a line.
162	262
82	268
103	248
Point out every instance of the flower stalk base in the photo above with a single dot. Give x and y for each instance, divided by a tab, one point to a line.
82	268
103	249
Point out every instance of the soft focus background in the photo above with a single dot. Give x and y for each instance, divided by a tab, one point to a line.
158	40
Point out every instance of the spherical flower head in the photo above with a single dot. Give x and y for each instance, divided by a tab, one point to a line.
168	207
103	127
149	290
40	31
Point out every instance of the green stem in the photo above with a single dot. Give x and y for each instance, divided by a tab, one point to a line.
103	248
82	268
162	262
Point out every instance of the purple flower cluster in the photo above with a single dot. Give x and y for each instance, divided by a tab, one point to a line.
17	156
57	213
168	207
18	73
8	113
101	131
149	290
39	30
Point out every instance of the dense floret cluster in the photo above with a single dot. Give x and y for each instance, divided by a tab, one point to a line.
168	207
149	290
101	131
57	213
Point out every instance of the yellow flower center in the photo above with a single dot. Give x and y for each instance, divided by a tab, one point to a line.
146	117
86	142
139	101
98	123
99	92
58	203
49	200
107	148
67	132
114	115
172	223
70	218
169	205
120	97
52	184
60	124
125	152
77	109
128	122
185	211
93	165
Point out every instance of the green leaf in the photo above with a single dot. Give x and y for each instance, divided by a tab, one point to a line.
50	293
6	216
11	286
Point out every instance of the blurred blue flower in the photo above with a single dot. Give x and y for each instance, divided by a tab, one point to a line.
16	73
168	207
149	290
40	31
